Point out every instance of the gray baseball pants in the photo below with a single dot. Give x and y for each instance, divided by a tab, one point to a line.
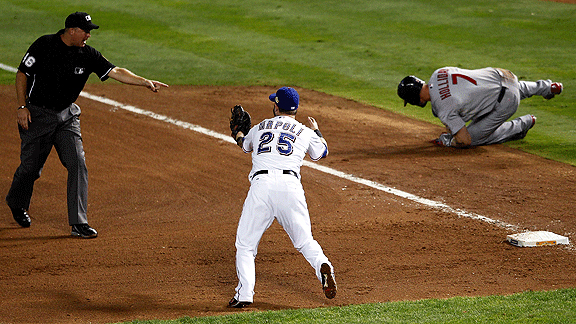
493	128
60	130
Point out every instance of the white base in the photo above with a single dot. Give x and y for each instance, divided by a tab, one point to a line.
539	238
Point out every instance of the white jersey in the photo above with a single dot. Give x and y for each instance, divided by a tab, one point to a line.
278	146
281	143
459	95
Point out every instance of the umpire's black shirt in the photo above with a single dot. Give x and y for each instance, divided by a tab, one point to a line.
57	73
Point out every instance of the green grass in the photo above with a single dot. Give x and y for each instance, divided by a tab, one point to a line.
355	49
529	307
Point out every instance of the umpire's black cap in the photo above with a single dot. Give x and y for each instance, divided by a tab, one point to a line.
81	20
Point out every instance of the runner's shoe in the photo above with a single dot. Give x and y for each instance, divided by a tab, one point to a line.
555	88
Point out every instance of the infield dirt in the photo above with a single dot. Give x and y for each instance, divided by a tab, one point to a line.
166	202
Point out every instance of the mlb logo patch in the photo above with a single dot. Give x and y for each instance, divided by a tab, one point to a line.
79	70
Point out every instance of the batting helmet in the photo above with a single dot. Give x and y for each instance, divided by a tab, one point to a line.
409	90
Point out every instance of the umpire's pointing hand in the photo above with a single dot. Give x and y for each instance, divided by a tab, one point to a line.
126	76
155	85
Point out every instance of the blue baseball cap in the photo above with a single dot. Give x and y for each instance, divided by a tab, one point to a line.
286	98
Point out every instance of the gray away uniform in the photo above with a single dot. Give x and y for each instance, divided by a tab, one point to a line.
486	98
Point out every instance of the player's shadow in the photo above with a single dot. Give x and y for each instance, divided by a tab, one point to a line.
14	229
424	150
270	306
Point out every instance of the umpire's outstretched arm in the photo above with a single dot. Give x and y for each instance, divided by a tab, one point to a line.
126	76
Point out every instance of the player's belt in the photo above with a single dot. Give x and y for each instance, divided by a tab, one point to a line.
283	172
502	93
53	108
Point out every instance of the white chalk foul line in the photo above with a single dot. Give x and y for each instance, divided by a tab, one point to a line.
423	201
156	116
8	68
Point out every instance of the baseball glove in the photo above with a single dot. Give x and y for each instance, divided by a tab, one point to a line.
240	121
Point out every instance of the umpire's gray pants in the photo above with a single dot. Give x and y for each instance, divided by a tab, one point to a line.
47	129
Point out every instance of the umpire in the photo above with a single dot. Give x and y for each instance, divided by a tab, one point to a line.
49	80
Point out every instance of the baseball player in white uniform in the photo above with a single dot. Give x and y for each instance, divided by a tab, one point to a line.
485	98
278	146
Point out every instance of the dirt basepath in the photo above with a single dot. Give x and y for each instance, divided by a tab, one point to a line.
166	202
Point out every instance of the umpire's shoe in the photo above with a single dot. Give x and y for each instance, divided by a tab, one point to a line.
328	281
234	303
84	231
21	216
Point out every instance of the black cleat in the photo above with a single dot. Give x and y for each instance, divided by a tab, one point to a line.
84	231
21	216
328	281
234	303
